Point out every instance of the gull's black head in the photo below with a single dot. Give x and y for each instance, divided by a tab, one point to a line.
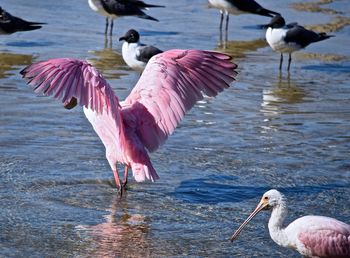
276	22
132	36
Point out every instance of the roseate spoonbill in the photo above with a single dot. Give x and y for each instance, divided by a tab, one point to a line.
170	85
290	38
10	24
117	8
236	7
135	54
311	236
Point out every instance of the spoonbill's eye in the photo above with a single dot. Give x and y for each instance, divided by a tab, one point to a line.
266	198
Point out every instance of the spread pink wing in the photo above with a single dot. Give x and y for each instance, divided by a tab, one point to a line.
330	237
67	78
170	85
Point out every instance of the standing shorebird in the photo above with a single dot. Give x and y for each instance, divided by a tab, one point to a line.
236	7
135	54
311	236
170	85
290	38
117	8
10	24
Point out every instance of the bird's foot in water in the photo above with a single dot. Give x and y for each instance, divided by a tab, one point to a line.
122	189
121	192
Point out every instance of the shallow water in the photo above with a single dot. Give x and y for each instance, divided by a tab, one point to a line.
269	130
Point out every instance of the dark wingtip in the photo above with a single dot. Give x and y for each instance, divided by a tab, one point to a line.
23	71
324	36
152	5
72	103
37	23
32	27
153	19
161	6
147	17
266	12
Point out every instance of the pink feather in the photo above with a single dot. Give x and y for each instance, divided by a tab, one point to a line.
170	85
324	236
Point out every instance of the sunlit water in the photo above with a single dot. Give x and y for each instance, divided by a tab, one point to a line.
269	130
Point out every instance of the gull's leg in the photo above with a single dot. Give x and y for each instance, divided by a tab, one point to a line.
111	31
226	29
221	19
106	41
106	30
281	61
220	27
110	41
227	20
289	60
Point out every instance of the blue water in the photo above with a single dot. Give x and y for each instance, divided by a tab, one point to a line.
269	130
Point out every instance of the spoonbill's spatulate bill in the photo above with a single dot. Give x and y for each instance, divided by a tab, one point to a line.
118	8
170	85
311	236
290	38
135	54
10	24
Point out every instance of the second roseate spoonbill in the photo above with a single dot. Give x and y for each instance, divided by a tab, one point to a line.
227	7
118	8
135	54
290	38
10	24
311	236
170	85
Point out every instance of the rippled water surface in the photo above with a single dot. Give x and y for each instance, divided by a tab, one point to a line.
269	130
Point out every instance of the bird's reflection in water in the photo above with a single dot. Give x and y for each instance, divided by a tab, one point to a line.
121	235
109	61
223	42
11	62
286	91
238	49
108	42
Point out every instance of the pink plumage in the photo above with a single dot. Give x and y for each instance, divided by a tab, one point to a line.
170	85
322	236
311	236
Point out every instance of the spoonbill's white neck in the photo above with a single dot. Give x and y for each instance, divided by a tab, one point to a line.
277	233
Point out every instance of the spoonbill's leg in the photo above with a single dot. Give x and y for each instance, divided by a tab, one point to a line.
125	180
222	19
111	31
118	182
281	61
289	60
106	30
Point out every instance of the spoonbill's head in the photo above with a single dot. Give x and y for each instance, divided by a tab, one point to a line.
269	200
